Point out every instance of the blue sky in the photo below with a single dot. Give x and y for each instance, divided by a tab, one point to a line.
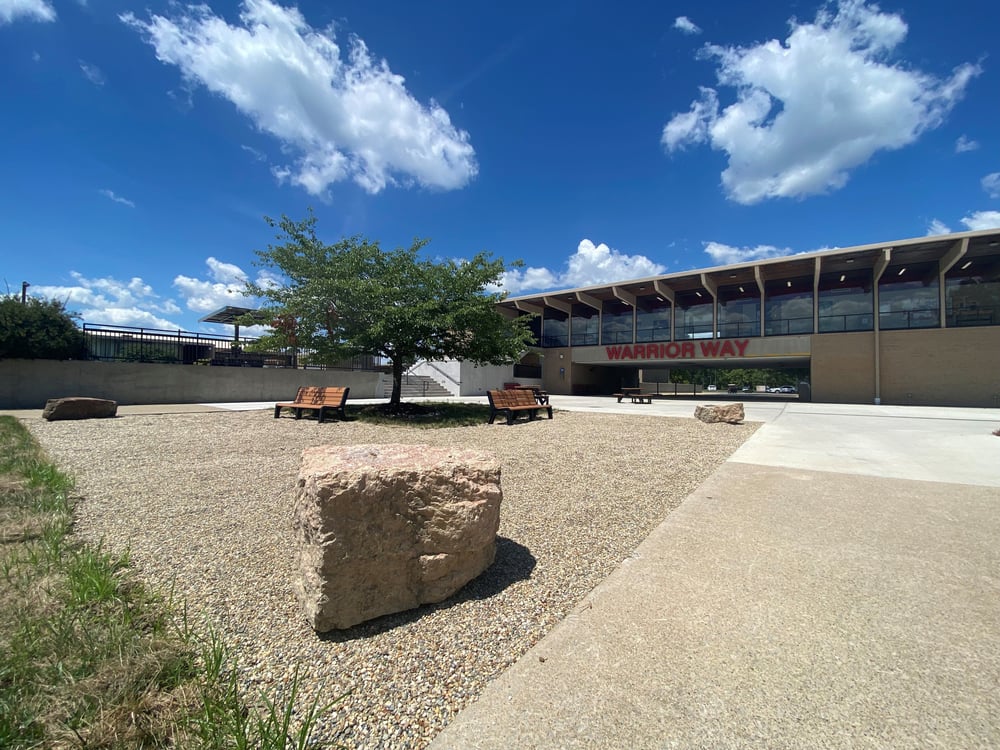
142	145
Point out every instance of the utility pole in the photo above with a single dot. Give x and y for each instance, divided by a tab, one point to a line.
24	292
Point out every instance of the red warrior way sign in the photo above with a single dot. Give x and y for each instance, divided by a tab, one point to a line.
709	349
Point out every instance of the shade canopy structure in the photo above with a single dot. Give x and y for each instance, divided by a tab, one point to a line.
230	315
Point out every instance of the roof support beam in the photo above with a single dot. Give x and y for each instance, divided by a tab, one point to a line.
759	278
529	307
667	293
880	265
955	254
713	289
947	262
710	285
559	304
664	291
589	299
816	272
625	296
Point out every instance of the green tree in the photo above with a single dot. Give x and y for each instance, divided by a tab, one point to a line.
354	298
38	329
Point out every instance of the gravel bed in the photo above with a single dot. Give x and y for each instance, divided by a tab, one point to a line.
203	502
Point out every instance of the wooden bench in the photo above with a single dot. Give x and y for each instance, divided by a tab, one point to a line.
512	402
325	400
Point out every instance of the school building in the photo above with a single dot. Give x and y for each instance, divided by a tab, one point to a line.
910	322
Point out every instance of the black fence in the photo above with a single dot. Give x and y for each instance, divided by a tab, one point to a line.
128	344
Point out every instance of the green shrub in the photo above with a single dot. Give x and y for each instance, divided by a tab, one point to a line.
39	329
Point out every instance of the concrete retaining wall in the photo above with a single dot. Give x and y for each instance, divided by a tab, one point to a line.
29	383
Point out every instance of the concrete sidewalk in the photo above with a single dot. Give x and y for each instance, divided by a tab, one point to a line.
808	595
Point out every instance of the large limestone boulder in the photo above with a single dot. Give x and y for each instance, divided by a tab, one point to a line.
78	407
731	413
385	528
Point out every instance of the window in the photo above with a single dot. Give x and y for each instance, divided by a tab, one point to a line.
555	327
652	319
616	322
846	302
584	326
535	326
908	297
972	292
694	315
739	311
788	306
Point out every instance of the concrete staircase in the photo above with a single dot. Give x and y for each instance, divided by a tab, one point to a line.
418	386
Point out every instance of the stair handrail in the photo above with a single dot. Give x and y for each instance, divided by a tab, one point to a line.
438	370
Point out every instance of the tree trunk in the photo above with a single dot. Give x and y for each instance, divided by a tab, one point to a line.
397	382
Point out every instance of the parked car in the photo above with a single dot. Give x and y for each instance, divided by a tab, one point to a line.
785	389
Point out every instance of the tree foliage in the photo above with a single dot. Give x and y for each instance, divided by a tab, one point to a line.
38	329
353	297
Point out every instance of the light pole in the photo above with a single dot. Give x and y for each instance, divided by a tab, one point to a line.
24	291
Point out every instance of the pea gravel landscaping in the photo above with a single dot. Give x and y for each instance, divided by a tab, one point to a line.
203	502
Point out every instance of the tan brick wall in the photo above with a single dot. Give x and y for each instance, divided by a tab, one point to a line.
937	366
551	363
843	368
941	367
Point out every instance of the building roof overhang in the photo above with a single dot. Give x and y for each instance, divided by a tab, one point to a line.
837	260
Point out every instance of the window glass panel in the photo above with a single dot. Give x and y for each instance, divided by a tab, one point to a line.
739	311
535	326
616	322
555	328
788	306
908	297
846	302
694	315
652	319
584	327
972	292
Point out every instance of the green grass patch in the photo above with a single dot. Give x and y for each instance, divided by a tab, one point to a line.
431	414
89	657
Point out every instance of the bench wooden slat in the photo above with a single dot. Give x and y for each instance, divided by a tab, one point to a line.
513	401
324	399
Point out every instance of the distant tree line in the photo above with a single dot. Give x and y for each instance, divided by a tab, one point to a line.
741	377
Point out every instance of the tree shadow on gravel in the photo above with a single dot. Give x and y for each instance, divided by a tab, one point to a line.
513	563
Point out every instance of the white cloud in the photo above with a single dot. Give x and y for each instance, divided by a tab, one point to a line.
113	302
28	10
686	25
257	155
725	255
964	144
810	109
991	184
590	264
347	118
224	286
92	73
982	220
937	227
110	194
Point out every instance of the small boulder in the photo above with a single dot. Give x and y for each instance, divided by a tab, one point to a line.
79	407
385	528
730	413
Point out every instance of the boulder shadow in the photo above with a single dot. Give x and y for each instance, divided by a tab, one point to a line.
514	562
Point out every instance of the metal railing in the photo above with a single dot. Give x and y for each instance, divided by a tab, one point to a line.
109	343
